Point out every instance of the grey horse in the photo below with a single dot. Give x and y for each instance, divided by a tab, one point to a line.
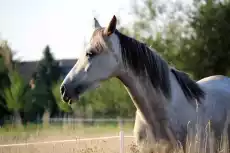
169	104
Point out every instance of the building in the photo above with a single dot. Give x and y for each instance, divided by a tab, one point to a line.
26	69
66	65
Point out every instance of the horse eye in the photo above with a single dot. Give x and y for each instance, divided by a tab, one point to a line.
90	54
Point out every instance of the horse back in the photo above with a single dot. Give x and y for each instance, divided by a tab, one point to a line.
217	100
217	83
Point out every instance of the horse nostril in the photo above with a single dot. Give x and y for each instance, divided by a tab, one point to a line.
65	97
62	89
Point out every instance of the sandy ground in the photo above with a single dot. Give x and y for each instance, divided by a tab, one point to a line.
13	136
91	146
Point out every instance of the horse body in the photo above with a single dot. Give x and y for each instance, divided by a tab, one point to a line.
213	108
169	104
216	106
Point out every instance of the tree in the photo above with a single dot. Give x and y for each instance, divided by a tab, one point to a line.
208	47
48	74
5	66
4	82
48	69
6	54
190	36
14	95
164	37
12	86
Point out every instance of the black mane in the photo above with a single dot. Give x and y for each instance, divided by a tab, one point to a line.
190	88
137	56
143	61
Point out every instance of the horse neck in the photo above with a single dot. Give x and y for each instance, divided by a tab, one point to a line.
148	101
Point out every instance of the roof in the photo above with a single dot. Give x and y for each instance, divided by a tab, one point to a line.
67	62
27	68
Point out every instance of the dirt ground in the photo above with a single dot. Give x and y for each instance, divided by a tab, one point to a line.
93	146
89	146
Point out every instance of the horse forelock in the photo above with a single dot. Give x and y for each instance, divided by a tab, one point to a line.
144	62
96	41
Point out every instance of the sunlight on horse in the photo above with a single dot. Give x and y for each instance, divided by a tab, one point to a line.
170	105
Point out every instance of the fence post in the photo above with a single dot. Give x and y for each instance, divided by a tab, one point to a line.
121	135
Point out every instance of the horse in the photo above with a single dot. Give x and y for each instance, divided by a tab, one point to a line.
169	104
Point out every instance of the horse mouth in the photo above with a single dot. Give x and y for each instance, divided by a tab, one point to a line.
78	91
67	99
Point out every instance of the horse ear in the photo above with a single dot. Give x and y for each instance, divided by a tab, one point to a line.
111	27
96	23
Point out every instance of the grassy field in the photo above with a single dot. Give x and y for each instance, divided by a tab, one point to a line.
40	133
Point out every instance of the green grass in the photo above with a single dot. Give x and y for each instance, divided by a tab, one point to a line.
46	132
9	130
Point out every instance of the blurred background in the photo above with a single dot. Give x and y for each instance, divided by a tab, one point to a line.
41	40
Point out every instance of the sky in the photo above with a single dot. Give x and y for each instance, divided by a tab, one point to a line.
64	25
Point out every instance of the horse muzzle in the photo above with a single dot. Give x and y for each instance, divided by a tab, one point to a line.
66	94
69	94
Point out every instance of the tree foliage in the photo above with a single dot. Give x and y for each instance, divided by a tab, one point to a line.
209	47
190	35
15	92
5	62
47	75
48	69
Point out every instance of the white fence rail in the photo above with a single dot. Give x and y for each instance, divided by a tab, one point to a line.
121	136
72	140
79	120
63	141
